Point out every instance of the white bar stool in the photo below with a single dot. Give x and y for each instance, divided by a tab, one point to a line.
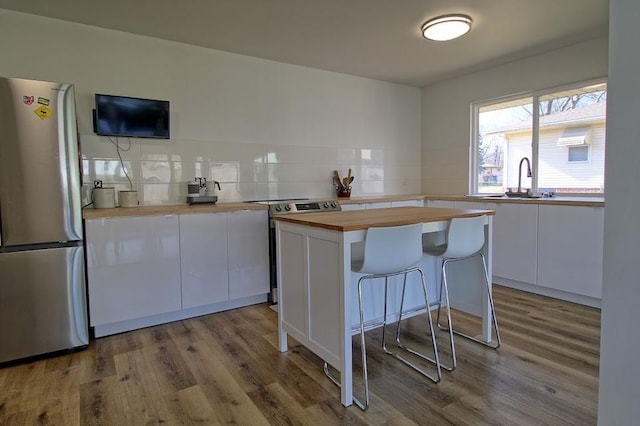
465	239
388	252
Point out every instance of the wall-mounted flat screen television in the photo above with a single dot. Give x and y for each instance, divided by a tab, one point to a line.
131	117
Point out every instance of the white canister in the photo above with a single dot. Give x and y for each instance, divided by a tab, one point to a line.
128	198
104	198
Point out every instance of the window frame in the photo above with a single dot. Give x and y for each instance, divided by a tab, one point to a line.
535	95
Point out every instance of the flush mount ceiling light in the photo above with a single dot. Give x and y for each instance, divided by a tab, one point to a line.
446	27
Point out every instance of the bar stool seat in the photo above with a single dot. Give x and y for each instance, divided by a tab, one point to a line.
465	239
390	251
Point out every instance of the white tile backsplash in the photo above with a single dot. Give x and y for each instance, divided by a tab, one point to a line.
249	171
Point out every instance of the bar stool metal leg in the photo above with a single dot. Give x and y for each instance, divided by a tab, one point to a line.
336	382
363	347
363	350
493	312
435	360
444	289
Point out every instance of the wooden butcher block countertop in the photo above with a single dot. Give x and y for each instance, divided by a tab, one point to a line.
169	209
363	219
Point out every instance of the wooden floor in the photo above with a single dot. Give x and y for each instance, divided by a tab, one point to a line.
225	368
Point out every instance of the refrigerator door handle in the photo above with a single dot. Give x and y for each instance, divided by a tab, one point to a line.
69	161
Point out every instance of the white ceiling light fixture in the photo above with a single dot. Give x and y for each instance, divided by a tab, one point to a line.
446	27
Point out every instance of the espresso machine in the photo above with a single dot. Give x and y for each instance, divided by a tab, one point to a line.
199	191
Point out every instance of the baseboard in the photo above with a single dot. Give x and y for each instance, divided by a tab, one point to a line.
549	292
134	324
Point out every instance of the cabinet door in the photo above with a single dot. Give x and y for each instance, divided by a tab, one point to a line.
515	235
515	242
248	248
407	203
439	203
570	249
481	205
379	205
133	267
347	207
203	259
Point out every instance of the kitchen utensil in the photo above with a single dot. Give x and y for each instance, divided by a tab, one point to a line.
336	179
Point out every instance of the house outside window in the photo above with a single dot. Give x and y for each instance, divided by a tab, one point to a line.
563	137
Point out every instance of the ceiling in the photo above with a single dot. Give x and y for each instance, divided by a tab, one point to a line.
379	39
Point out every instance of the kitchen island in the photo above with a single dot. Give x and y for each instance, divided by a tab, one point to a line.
316	285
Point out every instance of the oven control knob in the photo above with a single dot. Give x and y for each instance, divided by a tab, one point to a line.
278	208
287	207
325	205
333	204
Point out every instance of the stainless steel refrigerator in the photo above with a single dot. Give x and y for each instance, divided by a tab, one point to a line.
42	280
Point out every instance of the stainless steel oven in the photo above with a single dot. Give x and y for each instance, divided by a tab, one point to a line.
286	207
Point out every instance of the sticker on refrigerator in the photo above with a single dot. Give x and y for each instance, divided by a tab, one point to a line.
43	112
43	101
28	100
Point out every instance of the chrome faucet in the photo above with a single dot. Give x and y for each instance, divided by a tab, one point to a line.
529	174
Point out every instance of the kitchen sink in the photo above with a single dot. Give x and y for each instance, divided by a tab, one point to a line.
521	194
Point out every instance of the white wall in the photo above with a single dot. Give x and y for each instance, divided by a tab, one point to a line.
263	128
620	339
446	112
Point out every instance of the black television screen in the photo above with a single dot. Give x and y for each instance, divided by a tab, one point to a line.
132	117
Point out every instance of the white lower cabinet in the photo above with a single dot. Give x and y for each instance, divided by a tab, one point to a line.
515	235
248	248
570	249
555	250
133	267
149	270
203	259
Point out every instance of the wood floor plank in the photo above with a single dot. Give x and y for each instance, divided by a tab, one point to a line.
270	400
380	412
170	368
20	385
226	368
254	358
194	407
230	402
335	413
102	403
248	371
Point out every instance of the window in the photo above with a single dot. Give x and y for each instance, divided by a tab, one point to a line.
563	137
578	154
